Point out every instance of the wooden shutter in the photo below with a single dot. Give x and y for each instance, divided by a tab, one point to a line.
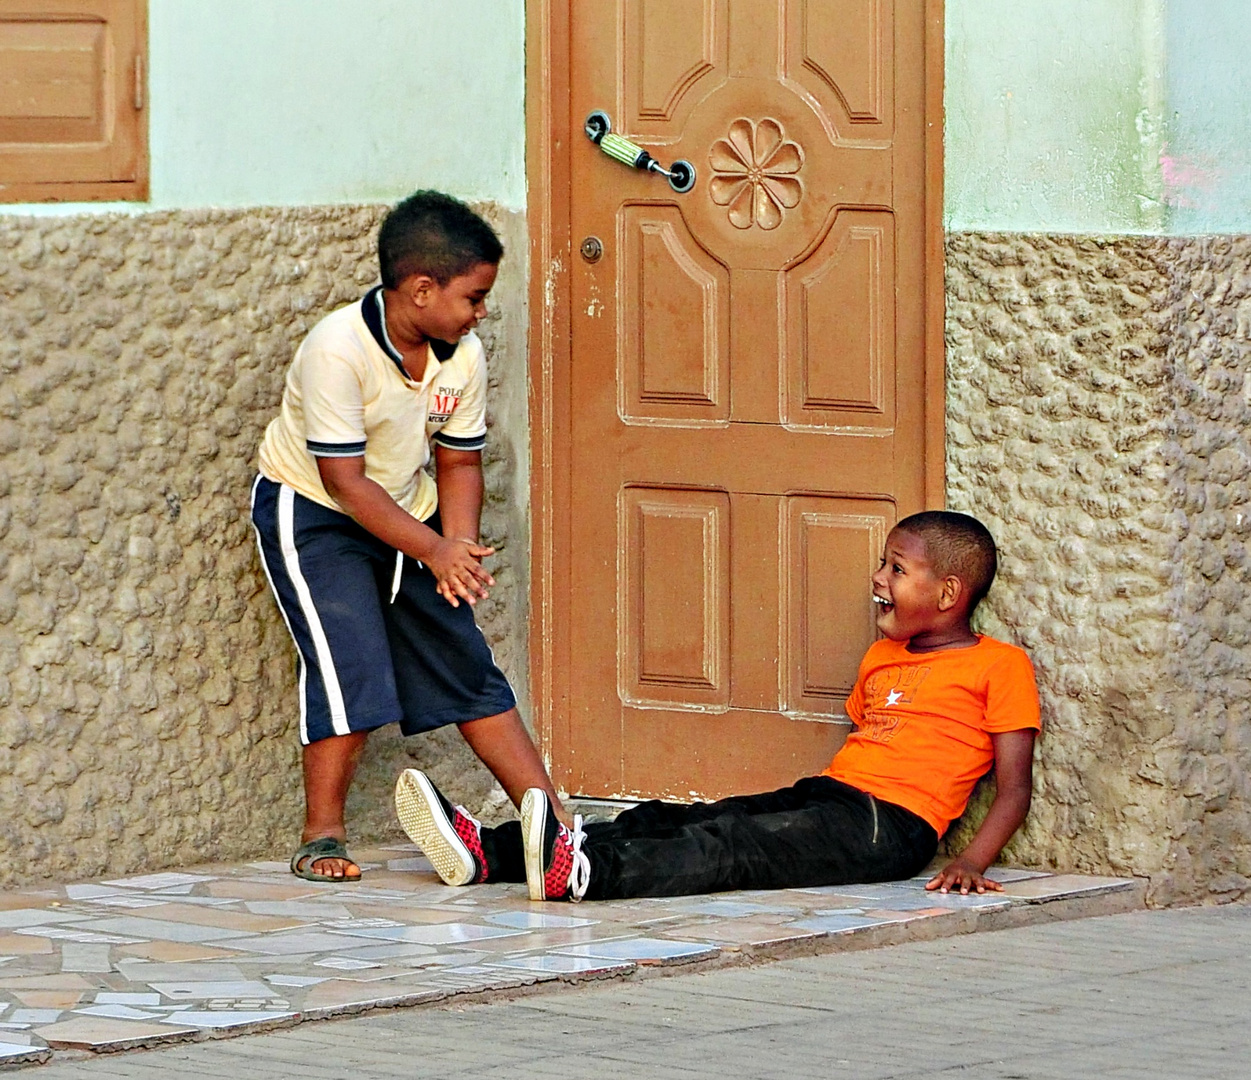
73	100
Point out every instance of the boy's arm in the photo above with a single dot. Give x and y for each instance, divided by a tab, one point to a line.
1014	763
453	559
459	478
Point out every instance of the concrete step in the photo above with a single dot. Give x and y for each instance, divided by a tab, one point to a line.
224	950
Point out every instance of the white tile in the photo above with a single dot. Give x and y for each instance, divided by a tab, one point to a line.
295	980
639	949
118	1012
34	1016
89	892
400	950
14	1050
203	991
561	965
345	963
361	924
437	934
224	1018
88	937
109	997
271	867
213	971
534	920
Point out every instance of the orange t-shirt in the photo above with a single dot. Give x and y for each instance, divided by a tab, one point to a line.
924	721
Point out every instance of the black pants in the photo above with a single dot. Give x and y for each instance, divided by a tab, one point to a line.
818	832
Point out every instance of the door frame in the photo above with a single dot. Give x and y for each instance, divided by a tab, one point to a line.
548	203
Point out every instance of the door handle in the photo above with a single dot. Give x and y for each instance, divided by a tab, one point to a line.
598	128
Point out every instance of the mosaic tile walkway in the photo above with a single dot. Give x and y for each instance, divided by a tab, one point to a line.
224	950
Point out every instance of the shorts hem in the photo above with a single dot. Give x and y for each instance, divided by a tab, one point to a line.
355	727
432	721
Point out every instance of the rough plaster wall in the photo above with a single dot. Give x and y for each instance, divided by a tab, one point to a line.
147	706
1206	760
1096	422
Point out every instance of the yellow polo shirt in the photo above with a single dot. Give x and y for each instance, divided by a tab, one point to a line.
347	394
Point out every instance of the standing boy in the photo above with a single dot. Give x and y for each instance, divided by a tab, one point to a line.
935	706
376	567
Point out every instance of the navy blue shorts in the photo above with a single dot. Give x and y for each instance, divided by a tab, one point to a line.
376	643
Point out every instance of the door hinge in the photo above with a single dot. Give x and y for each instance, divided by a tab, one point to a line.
138	84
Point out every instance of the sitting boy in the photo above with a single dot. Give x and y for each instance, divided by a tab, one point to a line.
935	706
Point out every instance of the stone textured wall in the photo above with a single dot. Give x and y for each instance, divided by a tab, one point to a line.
147	706
1099	398
1098	404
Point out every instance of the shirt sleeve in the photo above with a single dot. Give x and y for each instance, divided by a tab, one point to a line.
1012	694
466	429
854	706
333	404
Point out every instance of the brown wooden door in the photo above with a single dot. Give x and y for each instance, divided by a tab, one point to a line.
753	393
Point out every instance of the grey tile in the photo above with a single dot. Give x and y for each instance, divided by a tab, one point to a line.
19	917
159	929
161	881
389	952
287	943
299	909
437	933
76	956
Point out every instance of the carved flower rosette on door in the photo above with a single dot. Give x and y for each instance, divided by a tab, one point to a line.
753	173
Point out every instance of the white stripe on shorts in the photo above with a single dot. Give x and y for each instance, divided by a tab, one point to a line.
260	550
325	660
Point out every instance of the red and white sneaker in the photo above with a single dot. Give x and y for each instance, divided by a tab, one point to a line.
556	866
449	835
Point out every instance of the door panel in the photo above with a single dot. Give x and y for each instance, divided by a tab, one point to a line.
675	305
675	591
749	394
839	310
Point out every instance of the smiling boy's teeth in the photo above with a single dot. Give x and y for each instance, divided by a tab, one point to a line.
881	600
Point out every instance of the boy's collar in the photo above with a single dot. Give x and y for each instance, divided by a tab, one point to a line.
375	318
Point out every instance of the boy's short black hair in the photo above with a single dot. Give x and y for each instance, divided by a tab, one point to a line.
435	234
957	545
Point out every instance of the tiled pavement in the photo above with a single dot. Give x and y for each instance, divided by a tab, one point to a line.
224	950
1122	997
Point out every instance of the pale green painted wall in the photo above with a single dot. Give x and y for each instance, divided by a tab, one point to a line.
1101	116
1207	132
290	102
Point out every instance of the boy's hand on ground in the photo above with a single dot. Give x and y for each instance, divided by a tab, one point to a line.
457	567
963	876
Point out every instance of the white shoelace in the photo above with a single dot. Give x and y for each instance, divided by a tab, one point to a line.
580	871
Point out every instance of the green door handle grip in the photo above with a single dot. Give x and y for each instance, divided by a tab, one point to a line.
598	128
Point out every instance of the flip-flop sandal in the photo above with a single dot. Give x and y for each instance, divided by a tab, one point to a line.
312	851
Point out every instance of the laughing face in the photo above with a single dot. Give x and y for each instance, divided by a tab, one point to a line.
906	590
448	312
